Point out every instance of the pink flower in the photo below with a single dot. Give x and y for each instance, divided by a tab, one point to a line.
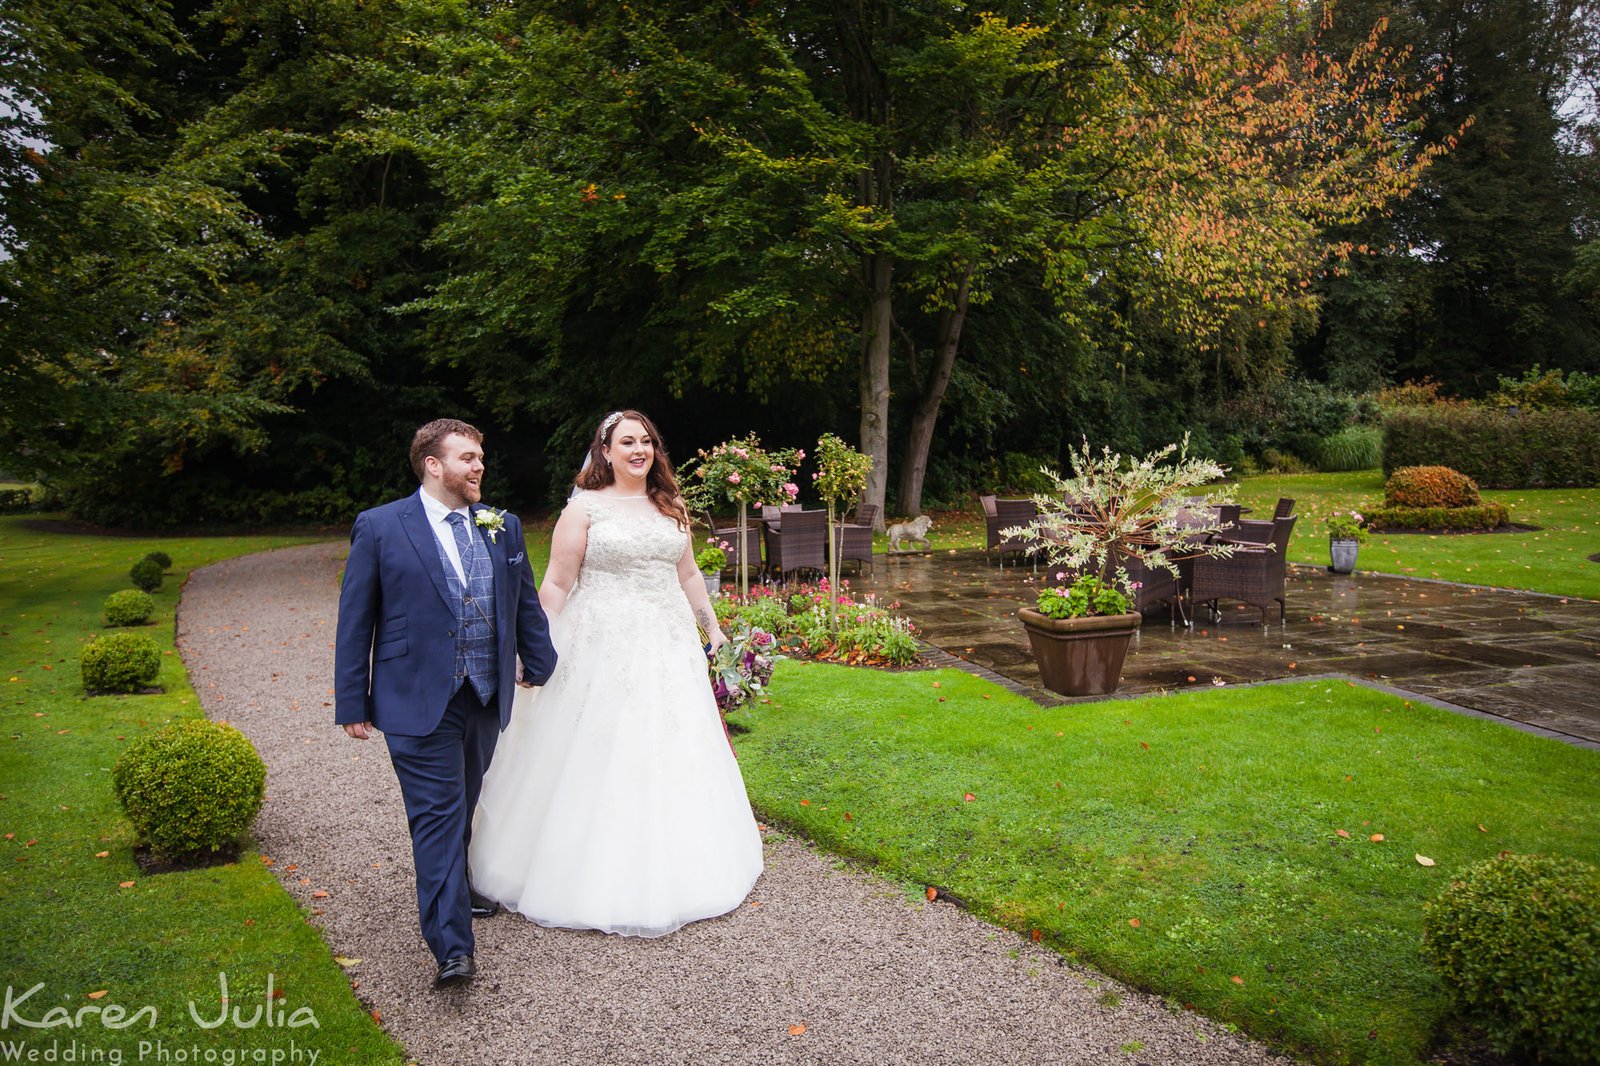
799	454
1061	575
761	638
741	453
776	469
792	489
734	478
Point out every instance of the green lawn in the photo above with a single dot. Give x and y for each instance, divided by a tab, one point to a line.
1189	843
91	927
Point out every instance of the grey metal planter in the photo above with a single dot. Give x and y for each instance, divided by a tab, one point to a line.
1342	555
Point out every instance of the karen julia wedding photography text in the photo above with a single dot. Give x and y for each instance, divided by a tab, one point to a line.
72	1032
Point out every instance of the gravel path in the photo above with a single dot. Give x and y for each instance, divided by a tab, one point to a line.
873	977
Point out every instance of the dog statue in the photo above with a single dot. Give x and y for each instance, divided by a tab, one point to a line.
914	530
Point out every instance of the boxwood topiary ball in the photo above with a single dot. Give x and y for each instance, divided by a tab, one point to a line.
146	574
119	662
129	607
1517	943
190	788
161	559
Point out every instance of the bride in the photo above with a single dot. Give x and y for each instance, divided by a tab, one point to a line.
614	801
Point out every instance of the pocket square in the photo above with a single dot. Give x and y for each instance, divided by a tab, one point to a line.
517	558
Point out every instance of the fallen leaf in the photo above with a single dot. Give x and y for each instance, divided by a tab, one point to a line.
969	797
938	684
1481	829
1376	838
319	894
1343	832
805	803
1143	745
1037	936
933	893
1423	860
1134	922
99	994
345	961
1236	979
125	884
101	854
797	1030
849	817
377	1016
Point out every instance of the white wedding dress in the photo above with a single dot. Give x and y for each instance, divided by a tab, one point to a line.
613	801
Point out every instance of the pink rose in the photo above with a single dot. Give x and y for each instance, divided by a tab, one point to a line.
792	489
798	455
761	638
734	478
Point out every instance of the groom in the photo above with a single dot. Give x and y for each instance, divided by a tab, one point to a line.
436	606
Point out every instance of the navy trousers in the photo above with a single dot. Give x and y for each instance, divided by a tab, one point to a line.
440	776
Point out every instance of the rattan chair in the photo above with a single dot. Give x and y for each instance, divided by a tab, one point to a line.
1256	530
1253	575
855	538
752	542
799	543
1009	513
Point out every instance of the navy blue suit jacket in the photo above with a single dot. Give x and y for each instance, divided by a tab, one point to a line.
394	656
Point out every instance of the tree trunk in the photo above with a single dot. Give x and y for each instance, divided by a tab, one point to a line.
915	467
876	326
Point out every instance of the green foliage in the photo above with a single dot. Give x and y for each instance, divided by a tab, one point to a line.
740	471
1483	516
1086	596
1551	448
1291	416
146	574
1550	388
1516	941
1430	486
119	662
129	607
161	559
711	560
1347	525
1352	448
841	470
13	501
799	617
190	788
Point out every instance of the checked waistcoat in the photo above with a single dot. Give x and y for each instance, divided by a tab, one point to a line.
474	607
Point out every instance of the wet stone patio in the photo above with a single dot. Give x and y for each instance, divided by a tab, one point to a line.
1524	657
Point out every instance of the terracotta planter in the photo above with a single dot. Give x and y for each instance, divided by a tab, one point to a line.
1080	656
1342	555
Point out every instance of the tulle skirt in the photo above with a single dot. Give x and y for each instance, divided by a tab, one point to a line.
613	801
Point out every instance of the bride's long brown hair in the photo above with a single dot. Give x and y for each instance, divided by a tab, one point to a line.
661	484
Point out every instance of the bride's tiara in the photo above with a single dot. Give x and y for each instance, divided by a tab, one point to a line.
611	420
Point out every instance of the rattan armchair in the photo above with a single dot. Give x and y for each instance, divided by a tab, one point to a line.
855	538
1004	514
799	542
1256	530
1253	575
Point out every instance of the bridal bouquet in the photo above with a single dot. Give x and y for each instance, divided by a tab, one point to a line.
742	667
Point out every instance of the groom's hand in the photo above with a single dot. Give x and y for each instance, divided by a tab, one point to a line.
358	730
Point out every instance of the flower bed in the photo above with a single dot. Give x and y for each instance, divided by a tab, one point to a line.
869	633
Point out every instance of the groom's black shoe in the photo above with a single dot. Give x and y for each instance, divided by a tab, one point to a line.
457	970
482	906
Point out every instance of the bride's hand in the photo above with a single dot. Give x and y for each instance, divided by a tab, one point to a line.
717	639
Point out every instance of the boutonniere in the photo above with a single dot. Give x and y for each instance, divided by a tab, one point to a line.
490	521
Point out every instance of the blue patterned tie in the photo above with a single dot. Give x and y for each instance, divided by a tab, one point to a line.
458	524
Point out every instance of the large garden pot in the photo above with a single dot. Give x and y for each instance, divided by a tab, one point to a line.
713	584
1080	656
1342	555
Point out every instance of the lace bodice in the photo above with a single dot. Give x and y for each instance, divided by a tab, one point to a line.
633	551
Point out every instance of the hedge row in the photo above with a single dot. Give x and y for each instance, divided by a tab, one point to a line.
1484	516
1536	449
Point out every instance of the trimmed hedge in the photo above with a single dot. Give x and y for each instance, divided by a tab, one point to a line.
129	607
1484	516
1516	941
146	574
1430	486
190	788
15	501
120	662
1532	449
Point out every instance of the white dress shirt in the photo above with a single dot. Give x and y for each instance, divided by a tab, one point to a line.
439	521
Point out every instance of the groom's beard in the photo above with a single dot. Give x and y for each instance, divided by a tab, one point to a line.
458	486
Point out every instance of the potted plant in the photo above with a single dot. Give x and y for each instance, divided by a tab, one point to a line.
841	475
1113	513
1346	534
711	560
1080	635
